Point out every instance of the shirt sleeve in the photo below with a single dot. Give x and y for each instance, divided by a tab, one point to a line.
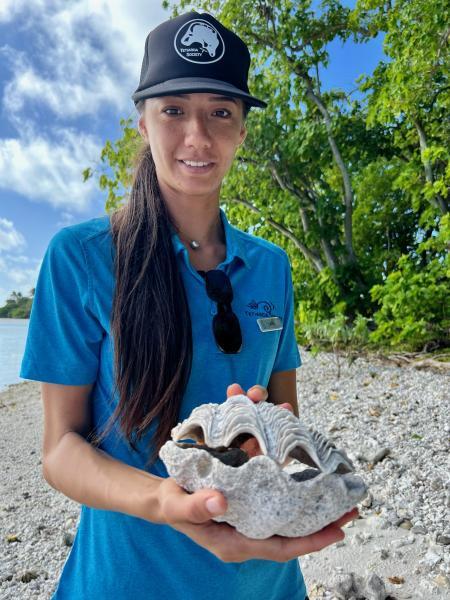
64	336
288	355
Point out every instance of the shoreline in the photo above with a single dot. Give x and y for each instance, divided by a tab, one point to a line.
12	388
371	409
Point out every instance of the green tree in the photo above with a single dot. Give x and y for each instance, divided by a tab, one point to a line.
414	300
17	306
343	185
411	91
293	180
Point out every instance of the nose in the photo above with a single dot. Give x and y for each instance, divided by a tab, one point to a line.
197	134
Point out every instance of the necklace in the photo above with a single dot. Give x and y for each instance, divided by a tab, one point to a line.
194	244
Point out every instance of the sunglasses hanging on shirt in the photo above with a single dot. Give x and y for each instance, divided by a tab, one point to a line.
226	327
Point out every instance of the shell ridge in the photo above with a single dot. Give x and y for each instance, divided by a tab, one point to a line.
330	458
277	431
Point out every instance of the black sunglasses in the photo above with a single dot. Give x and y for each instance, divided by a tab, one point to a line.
226	328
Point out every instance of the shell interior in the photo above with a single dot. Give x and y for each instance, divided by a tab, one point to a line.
279	433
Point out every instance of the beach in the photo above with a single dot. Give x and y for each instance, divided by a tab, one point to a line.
392	421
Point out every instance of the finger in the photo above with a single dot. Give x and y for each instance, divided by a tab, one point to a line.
257	393
179	506
282	549
314	542
287	406
202	506
234	389
350	516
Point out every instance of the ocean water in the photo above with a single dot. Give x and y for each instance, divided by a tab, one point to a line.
13	333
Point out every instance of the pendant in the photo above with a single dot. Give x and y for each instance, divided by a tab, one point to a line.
194	245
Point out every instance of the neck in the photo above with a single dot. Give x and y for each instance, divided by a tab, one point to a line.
196	219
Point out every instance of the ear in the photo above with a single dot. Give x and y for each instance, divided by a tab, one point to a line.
142	128
242	135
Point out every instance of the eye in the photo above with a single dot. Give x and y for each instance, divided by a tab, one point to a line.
166	110
223	113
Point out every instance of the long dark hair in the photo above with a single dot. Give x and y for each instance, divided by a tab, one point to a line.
150	320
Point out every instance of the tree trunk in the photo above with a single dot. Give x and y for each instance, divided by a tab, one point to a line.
439	201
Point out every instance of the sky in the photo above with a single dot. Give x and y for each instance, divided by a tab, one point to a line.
67	72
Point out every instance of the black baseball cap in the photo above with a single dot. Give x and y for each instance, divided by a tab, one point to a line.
195	53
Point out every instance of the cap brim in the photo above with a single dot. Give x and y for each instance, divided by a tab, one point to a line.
186	85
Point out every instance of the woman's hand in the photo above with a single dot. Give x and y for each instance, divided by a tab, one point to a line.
191	514
257	393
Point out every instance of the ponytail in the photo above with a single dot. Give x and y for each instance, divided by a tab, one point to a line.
150	321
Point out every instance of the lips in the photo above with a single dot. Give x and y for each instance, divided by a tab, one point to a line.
195	163
196	166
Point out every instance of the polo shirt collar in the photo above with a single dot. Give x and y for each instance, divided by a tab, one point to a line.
235	245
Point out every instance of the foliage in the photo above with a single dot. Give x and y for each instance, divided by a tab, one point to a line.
119	158
411	91
339	336
17	306
414	300
354	190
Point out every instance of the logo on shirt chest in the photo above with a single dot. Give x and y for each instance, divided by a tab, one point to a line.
261	308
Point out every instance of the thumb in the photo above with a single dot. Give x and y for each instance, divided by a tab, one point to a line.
198	507
205	504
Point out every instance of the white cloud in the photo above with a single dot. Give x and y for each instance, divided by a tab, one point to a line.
10	238
87	54
81	56
66	219
21	259
24	279
50	171
17	279
17	271
9	9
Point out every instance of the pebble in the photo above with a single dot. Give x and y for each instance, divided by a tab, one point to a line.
68	539
406	541
430	560
418	529
409	483
350	585
378	457
368	500
28	576
442	581
444	539
394	431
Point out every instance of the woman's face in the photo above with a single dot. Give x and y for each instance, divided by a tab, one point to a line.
205	128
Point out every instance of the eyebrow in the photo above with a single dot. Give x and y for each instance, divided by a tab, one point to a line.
213	99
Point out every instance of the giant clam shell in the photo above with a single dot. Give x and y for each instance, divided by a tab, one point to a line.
264	497
280	434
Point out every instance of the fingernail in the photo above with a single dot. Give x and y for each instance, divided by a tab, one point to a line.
213	505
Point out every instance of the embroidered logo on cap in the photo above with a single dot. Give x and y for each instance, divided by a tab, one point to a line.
197	41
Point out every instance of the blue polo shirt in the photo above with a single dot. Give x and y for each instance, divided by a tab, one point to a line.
115	555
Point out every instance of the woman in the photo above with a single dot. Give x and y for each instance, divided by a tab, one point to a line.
139	318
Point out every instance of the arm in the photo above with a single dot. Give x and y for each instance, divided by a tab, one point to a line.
282	388
84	473
90	476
